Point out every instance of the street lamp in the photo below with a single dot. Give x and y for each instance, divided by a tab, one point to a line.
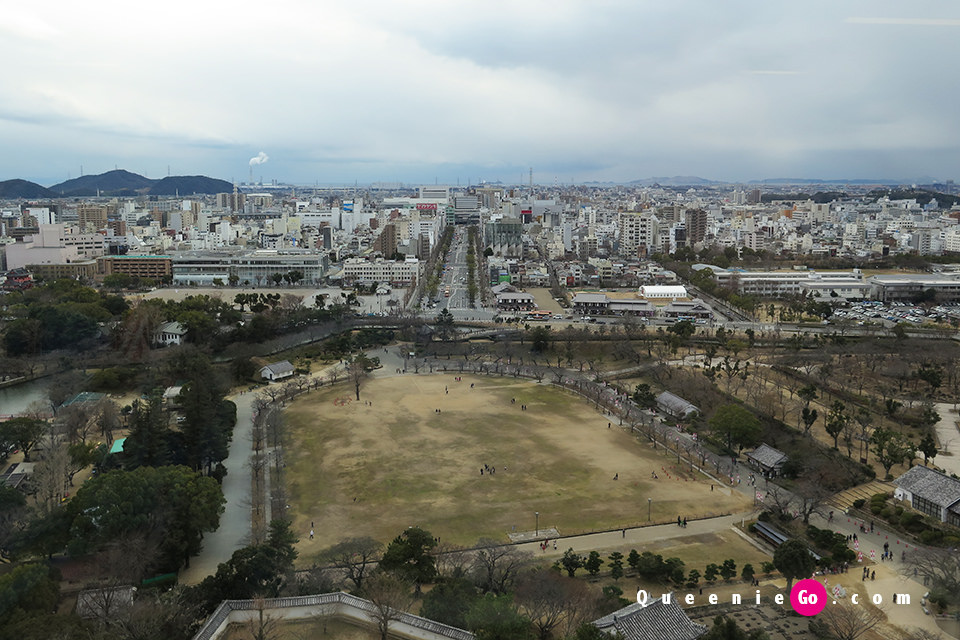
649	502
537	534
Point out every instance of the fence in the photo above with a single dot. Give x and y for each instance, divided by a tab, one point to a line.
340	604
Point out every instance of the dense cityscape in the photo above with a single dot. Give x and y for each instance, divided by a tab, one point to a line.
152	339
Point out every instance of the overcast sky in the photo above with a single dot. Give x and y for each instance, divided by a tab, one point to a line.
447	90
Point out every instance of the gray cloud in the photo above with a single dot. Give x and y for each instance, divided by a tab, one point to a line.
603	90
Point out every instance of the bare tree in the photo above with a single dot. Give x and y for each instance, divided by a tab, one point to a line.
358	370
554	602
107	417
51	475
451	560
812	494
138	331
78	422
66	387
264	626
390	597
849	622
355	558
941	567
497	565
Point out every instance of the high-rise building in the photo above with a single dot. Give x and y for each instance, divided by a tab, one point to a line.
92	217
386	242
638	234
233	201
696	224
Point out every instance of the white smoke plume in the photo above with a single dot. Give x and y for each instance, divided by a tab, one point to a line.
260	158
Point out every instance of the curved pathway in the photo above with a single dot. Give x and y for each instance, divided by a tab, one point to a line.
948	436
234	530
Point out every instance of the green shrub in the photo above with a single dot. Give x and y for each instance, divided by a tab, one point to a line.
931	536
887	512
858	503
880	497
876	508
951	541
899	510
912	522
939	598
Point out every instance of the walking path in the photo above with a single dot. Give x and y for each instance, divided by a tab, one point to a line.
949	438
234	530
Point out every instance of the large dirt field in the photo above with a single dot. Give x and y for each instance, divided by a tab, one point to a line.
355	469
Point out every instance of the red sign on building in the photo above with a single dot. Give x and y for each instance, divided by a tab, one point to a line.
426	206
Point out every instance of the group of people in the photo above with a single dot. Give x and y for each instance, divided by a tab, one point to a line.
546	545
523	407
681	523
867	573
489	470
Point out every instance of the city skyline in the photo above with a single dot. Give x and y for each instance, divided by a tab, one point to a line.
423	92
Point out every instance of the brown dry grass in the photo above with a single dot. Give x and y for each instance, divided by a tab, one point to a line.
357	469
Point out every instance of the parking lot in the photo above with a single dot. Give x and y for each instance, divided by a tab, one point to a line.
889	314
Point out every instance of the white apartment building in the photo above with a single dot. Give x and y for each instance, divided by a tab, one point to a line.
775	284
639	232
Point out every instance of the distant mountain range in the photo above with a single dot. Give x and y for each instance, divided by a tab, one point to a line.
115	183
14	189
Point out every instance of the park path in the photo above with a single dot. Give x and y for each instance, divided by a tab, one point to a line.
234	530
235	522
949	437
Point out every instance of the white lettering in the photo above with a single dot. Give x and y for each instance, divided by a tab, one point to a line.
713	598
758	596
735	599
854	598
689	598
778	598
642	598
877	598
665	598
803	598
902	598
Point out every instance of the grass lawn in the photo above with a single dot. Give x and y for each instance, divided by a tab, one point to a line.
372	470
696	551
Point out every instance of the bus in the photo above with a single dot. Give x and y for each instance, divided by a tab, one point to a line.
538	316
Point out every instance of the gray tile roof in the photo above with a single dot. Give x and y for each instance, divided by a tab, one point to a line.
283	366
767	456
675	404
655	621
590	298
931	485
515	296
